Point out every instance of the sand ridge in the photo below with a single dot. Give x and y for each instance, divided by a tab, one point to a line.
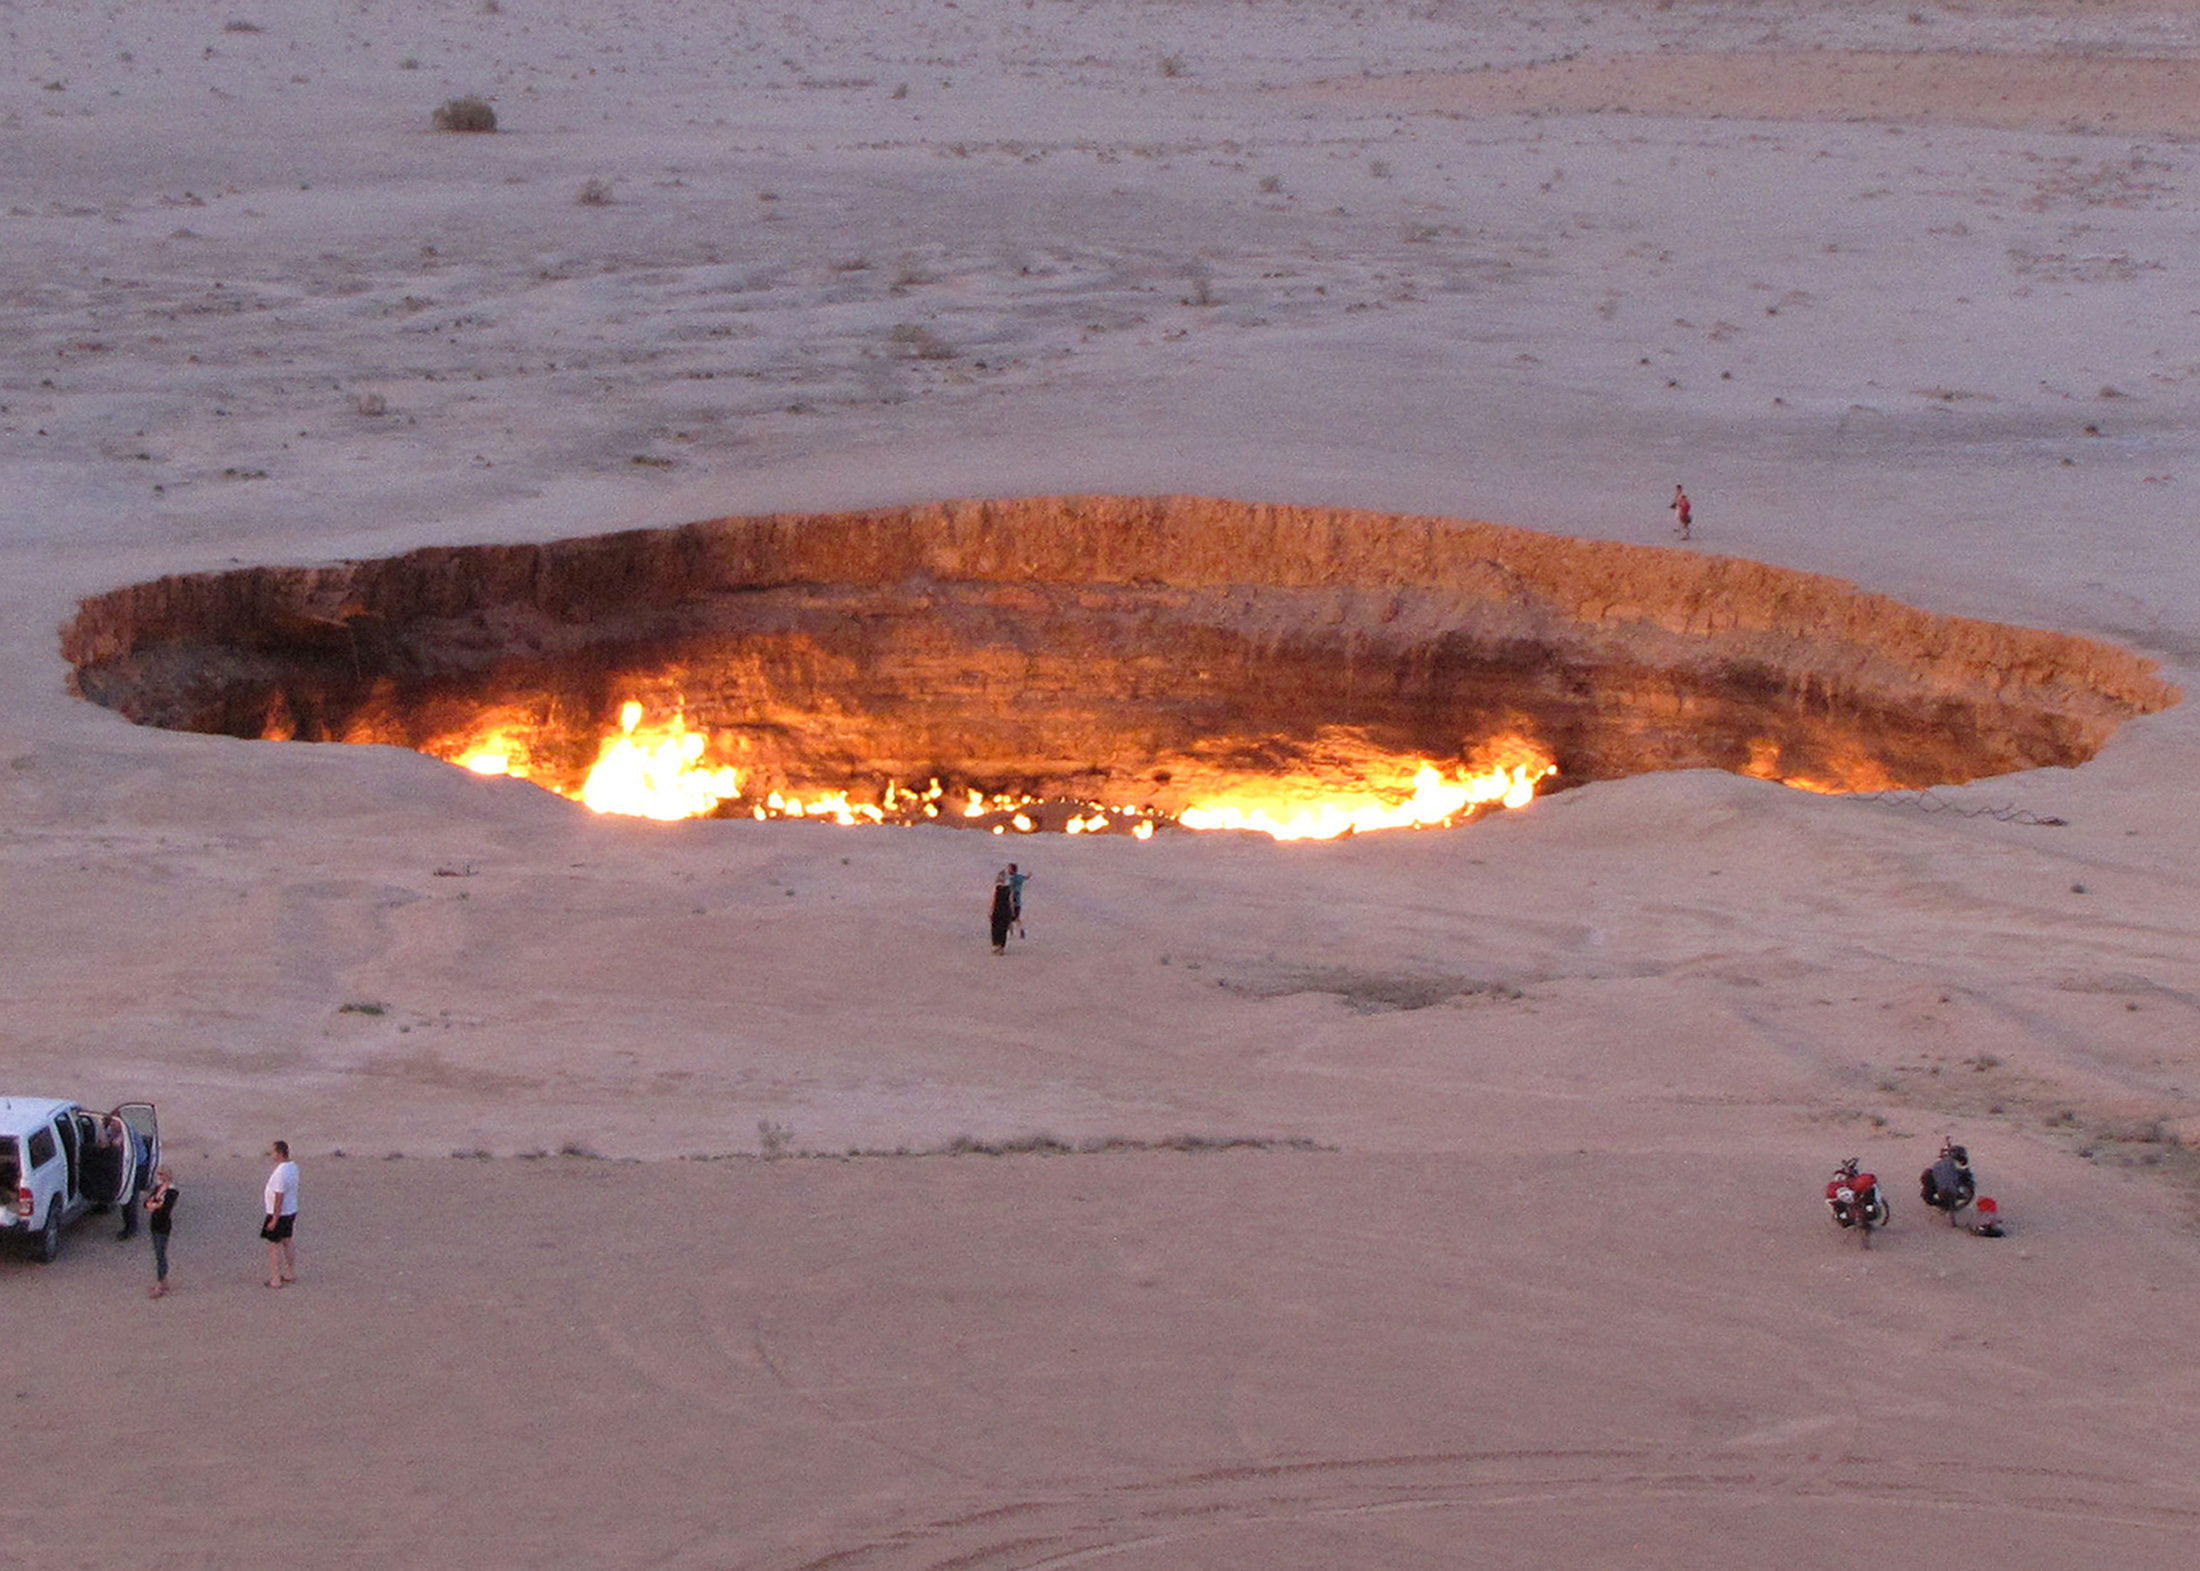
2124	94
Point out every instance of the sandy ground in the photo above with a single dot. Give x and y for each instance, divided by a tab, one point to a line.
1528	1267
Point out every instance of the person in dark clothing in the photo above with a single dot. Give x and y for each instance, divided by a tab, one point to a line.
100	1172
162	1204
1947	1186
1004	912
141	1175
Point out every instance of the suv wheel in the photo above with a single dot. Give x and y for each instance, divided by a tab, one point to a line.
49	1237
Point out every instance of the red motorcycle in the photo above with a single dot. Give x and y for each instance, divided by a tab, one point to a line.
1855	1200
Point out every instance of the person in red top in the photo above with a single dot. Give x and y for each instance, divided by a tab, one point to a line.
1683	513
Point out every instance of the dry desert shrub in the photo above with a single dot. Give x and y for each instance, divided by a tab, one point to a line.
465	114
921	341
595	191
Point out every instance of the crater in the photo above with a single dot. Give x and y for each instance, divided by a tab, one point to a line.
1102	662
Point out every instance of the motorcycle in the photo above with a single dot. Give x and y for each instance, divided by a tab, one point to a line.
1947	1186
1855	1200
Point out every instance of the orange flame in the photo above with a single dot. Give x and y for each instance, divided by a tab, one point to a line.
656	771
1434	800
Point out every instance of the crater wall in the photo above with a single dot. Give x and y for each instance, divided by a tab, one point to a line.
1110	648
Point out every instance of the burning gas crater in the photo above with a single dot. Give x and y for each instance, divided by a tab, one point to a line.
664	770
1100	664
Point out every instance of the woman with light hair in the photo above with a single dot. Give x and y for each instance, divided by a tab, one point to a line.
161	1202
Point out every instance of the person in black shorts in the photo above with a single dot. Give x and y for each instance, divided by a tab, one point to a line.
279	1213
162	1204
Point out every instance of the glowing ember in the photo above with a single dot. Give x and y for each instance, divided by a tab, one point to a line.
656	771
829	804
496	753
1852	771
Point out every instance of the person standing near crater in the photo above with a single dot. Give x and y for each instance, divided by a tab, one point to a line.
161	1203
279	1205
1016	882
1684	511
1004	910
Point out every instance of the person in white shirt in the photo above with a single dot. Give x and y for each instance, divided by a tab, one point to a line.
279	1205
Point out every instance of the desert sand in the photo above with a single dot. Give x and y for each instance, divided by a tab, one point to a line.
1457	1194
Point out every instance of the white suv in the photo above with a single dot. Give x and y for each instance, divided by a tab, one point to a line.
58	1161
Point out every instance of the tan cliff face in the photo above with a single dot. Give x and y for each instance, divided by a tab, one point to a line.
1108	649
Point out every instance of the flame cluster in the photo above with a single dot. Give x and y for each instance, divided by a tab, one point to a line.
1435	800
660	769
657	773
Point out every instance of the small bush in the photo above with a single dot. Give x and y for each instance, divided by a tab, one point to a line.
465	114
921	341
595	191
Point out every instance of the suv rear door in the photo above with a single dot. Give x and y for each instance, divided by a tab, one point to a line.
145	1124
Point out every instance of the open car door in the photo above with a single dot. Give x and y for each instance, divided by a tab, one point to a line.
145	1125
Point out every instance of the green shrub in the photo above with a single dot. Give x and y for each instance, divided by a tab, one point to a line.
465	114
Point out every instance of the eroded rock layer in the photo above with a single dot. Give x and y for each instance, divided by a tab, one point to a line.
1109	649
